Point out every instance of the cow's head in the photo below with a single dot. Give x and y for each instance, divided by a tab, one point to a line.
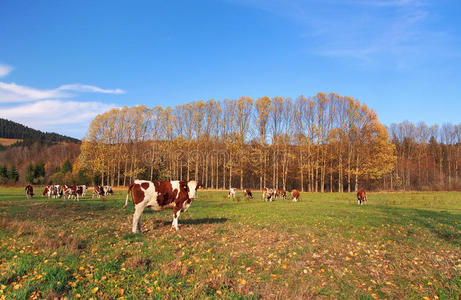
190	187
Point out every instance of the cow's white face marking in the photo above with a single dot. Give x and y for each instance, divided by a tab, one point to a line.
192	185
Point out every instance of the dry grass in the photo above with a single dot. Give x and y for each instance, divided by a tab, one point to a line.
8	142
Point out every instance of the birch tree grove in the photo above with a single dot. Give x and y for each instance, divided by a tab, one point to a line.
322	143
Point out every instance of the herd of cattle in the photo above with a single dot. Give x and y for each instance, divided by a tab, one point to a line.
70	191
159	195
268	194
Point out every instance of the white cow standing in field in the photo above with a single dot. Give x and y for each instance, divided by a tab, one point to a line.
84	189
232	192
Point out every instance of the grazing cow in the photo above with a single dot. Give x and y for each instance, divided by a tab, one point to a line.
99	191
84	188
157	195
232	192
47	191
56	191
29	191
263	193
247	193
108	190
361	197
295	195
52	191
281	193
268	194
73	191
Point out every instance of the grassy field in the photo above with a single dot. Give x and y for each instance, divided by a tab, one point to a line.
400	245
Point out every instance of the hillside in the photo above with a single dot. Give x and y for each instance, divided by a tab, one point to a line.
13	130
22	147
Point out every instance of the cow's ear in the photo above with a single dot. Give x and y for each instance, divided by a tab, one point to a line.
185	187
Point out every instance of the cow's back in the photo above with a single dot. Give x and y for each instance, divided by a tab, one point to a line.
361	195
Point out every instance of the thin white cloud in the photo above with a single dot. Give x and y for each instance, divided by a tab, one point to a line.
12	92
88	88
45	108
56	115
5	70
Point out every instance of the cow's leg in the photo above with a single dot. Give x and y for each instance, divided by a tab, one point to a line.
176	213
139	223
137	218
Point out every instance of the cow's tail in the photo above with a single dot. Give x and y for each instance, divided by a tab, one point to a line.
128	195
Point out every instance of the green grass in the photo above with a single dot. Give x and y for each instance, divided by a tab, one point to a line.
400	245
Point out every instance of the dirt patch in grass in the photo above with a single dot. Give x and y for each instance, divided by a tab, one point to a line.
138	262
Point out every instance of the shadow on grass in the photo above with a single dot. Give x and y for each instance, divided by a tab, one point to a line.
444	224
200	221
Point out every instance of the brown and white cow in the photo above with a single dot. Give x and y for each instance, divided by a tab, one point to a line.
361	197
295	195
281	193
47	191
29	191
268	194
247	193
53	191
100	190
232	193
72	191
157	195
108	190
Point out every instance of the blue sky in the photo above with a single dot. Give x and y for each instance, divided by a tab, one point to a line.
63	62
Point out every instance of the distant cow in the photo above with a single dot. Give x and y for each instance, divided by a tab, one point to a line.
52	191
268	194
72	191
84	188
361	197
281	193
232	192
56	191
247	193
108	190
29	191
157	195
47	191
295	195
99	191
